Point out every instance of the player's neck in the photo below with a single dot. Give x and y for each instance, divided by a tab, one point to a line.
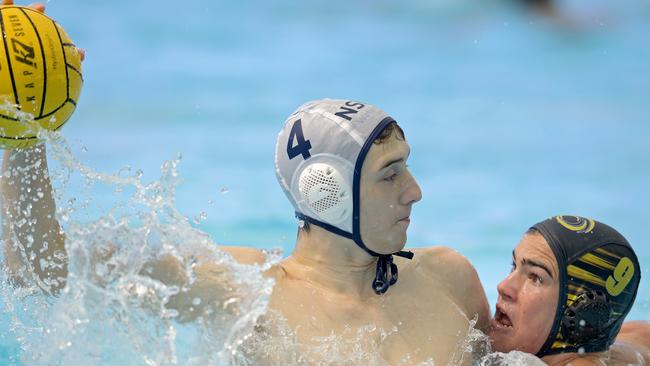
333	262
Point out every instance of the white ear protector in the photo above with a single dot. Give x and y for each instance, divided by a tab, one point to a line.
326	193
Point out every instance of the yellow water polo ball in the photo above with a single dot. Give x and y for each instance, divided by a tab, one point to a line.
40	75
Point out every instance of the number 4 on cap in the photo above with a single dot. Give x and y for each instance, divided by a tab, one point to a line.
302	146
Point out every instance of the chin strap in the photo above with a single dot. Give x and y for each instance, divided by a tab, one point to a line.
386	274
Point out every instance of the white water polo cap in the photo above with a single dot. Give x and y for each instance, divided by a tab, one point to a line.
318	159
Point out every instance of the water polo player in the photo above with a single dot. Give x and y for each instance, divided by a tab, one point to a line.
343	166
573	281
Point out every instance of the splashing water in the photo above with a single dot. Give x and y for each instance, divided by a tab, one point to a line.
476	343
111	311
275	343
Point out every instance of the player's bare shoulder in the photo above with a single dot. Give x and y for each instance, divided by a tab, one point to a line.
245	255
444	262
451	270
252	256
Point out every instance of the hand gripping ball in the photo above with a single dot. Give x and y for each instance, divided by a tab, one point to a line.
40	75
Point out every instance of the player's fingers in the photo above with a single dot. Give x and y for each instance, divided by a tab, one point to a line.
38	7
82	53
7	2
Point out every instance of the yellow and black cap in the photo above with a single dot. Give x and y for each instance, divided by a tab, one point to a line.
599	278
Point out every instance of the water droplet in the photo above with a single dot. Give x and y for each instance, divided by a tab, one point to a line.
140	289
224	190
200	217
229	302
125	170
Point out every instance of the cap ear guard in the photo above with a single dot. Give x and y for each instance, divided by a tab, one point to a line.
585	320
326	193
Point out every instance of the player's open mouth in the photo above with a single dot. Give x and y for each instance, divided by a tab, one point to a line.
501	319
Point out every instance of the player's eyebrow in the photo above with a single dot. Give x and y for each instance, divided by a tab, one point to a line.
391	162
533	263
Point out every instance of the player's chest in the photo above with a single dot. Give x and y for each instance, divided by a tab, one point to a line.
394	327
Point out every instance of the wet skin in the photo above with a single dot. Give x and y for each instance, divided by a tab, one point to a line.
528	298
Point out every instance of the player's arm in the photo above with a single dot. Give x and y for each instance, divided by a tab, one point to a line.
467	284
212	284
633	342
35	252
584	361
33	241
635	332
